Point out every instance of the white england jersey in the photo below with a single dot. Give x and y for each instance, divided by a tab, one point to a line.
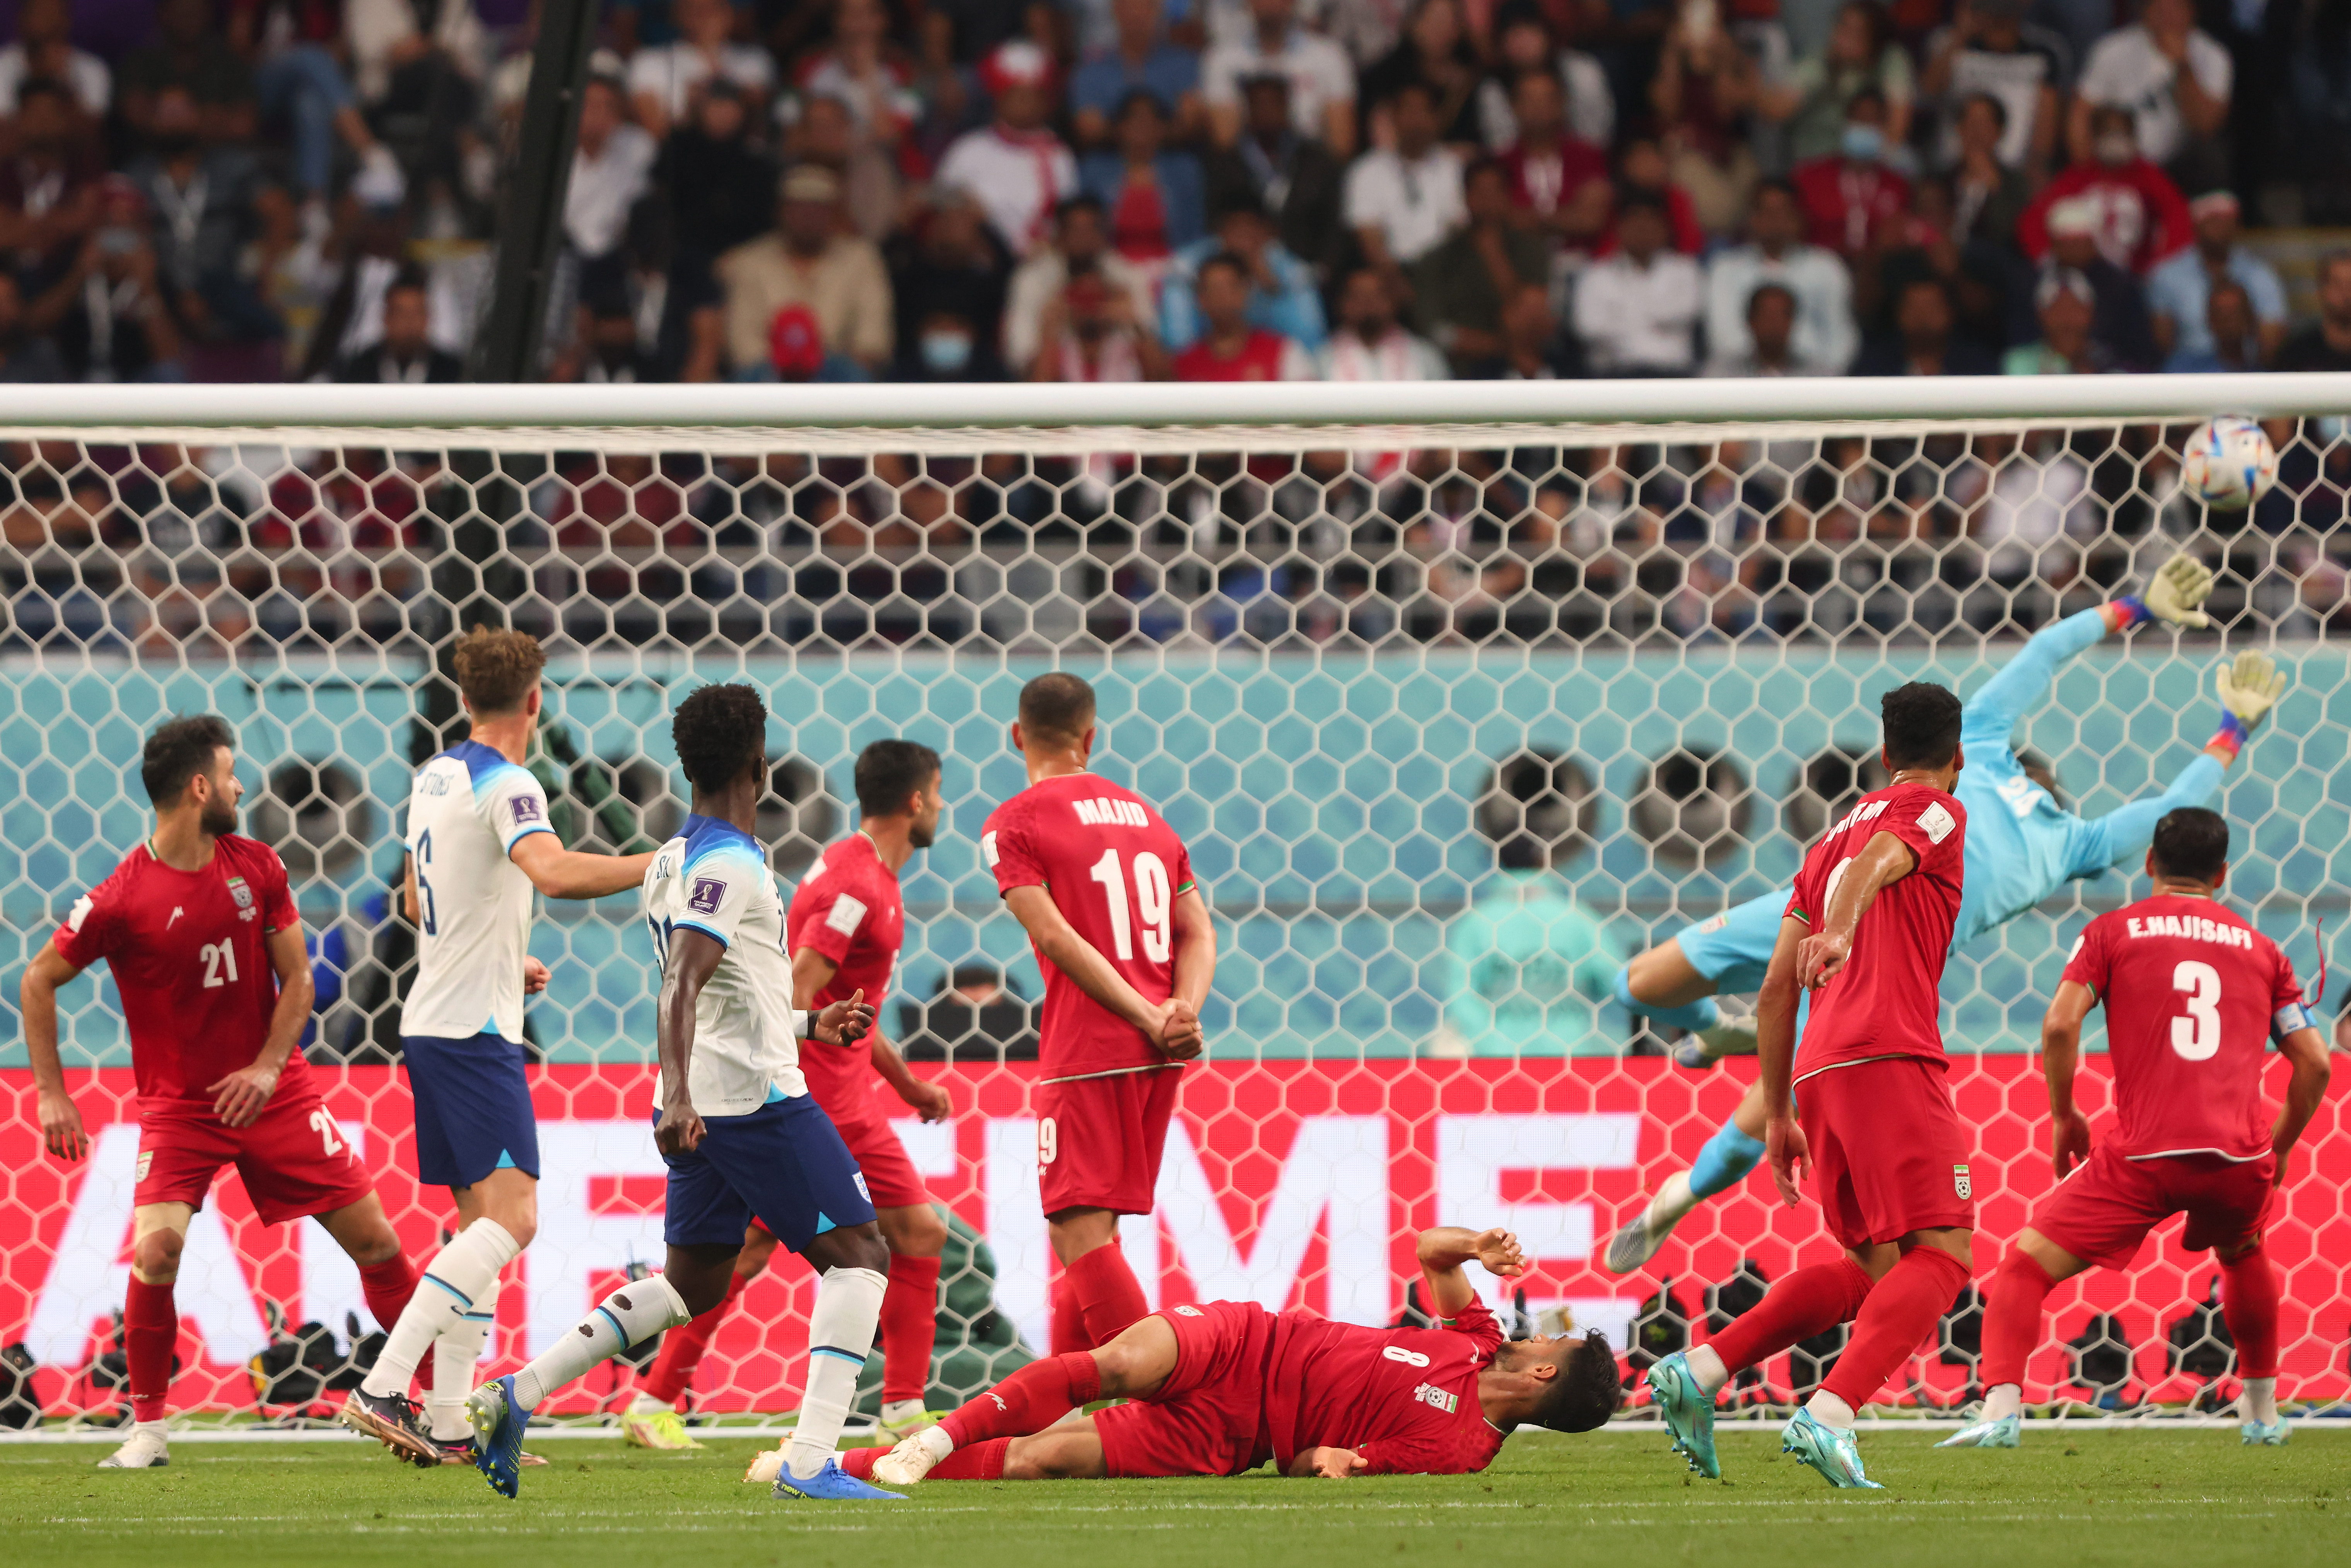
713	878
467	808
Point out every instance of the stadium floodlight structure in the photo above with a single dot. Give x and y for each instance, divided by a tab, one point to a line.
1399	659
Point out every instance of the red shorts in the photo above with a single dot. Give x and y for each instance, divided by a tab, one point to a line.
891	1179
1099	1140
2106	1208
1889	1155
1208	1418
295	1160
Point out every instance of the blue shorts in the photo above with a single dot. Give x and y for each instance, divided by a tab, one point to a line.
1734	948
783	1165
473	1108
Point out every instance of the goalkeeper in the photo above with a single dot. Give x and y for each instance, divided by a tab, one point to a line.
2021	846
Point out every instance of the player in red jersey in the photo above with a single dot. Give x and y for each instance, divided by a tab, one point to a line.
199	926
2192	994
1105	888
843	930
1866	931
1223	1386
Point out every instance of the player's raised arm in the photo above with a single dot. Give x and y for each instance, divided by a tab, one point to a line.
239	1096
2250	687
1442	1251
693	958
1057	942
2061	1055
2172	595
61	1128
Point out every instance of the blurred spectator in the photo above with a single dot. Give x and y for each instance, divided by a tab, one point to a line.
1282	296
43	49
1924	343
1556	175
2121	329
2231	328
110	314
666	80
1140	60
946	346
1460	288
1705	86
1016	166
48	187
1588	109
1533	348
1151	194
2173	77
25	355
1636	311
1322	79
2067	304
2175	290
1080	245
417	65
719	188
1090	331
950	264
808	262
1435	52
1370	345
1292	177
1767	331
1848	198
608	346
612	168
1641	167
861	71
823	130
1860	52
1403	200
2325	343
2137	213
1988	48
1987	197
403	354
1826	333
971	1018
1229	349
205	206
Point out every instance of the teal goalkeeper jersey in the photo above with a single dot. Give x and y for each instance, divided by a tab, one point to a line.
1528	968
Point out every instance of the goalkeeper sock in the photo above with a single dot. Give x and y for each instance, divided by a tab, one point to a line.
2249	1305
1691	1016
459	1273
1029	1401
1901	1310
910	1326
840	1335
1723	1162
681	1350
1108	1293
150	1331
630	1316
2011	1320
454	1355
1808	1301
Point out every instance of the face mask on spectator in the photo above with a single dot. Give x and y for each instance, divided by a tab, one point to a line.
1863	144
946	352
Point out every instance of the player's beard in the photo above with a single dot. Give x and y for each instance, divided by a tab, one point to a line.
219	817
920	837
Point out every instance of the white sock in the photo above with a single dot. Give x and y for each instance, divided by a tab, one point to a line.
646	1405
1706	1366
454	1355
2002	1401
1829	1410
161	1430
630	1316
841	1334
1674	1200
2258	1400
458	1276
934	1441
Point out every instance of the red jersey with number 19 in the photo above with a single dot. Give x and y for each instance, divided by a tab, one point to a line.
1114	869
2193	996
190	954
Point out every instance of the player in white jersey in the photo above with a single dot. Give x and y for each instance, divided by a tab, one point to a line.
743	1137
479	843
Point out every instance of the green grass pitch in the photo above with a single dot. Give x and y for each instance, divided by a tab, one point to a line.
2169	1499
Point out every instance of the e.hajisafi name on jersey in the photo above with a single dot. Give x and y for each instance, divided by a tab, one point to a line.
467	808
713	878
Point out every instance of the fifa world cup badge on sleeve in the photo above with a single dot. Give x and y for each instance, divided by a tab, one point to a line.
707	892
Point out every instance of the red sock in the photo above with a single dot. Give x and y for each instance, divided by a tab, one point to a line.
2249	1305
151	1329
1808	1301
2011	1322
1109	1295
1068	1324
1899	1315
859	1462
682	1347
982	1462
1031	1400
910	1323
387	1287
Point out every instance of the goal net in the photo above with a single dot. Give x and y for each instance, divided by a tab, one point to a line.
1607	655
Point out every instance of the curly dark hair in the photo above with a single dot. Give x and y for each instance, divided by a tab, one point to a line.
1587	1390
1922	724
719	731
179	750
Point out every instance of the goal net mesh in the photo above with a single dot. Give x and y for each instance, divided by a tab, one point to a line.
1390	685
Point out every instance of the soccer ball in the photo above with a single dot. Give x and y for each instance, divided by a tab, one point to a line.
2229	464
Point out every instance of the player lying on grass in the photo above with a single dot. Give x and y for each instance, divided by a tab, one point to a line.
2192	994
2024	846
1219	1388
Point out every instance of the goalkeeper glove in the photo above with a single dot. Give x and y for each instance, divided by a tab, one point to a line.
2179	588
2249	688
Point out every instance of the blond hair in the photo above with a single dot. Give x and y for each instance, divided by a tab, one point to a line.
496	670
